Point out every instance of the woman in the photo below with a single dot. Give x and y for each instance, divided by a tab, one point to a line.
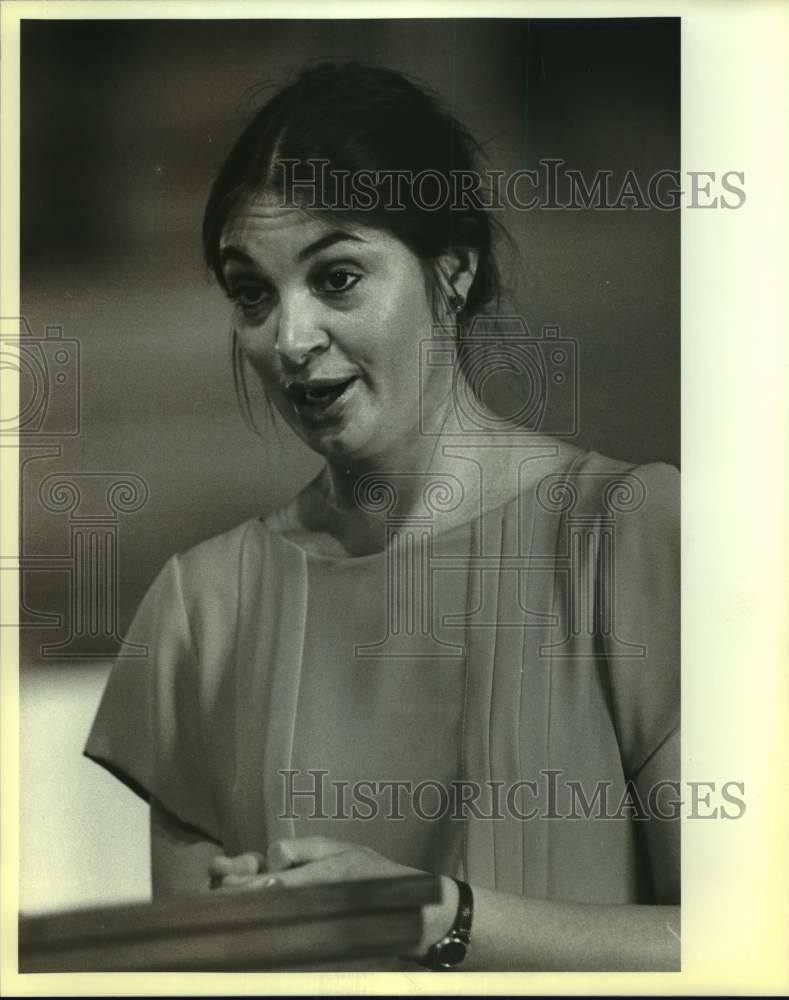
464	631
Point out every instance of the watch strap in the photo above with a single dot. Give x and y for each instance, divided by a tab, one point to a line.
451	949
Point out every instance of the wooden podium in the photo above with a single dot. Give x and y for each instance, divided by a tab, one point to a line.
361	925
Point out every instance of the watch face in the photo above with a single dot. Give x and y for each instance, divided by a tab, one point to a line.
451	953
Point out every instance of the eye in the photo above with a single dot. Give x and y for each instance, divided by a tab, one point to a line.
337	280
249	296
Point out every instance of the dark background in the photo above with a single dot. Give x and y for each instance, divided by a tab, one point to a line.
124	125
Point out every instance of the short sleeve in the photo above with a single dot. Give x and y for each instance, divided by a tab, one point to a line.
147	730
643	648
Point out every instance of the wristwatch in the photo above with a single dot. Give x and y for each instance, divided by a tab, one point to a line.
451	949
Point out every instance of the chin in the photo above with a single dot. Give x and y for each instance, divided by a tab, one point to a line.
353	444
335	443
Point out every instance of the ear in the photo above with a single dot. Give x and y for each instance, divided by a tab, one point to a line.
456	270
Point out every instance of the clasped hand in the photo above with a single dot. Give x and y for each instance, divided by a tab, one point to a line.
302	861
315	860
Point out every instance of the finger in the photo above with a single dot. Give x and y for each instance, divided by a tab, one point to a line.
231	880
284	854
312	873
254	883
250	863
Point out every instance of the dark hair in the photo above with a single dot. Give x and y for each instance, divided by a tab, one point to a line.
360	119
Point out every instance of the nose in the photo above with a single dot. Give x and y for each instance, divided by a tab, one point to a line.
300	332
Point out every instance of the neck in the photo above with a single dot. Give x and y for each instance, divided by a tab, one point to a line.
329	505
402	466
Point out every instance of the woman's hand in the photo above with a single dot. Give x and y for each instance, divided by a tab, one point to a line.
316	860
304	861
510	933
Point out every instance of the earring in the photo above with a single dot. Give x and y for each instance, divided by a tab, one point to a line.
456	303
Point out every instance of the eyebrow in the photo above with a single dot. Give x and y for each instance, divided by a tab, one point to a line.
335	236
232	253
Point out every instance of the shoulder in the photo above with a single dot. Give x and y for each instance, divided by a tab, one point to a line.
616	487
659	474
639	506
219	554
205	579
595	482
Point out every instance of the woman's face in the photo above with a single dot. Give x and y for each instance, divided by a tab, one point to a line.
331	318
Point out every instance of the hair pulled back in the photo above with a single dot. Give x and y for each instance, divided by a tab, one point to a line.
355	119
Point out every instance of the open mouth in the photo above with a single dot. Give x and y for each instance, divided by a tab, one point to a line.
317	396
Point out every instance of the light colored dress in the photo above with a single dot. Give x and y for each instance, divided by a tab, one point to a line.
526	660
